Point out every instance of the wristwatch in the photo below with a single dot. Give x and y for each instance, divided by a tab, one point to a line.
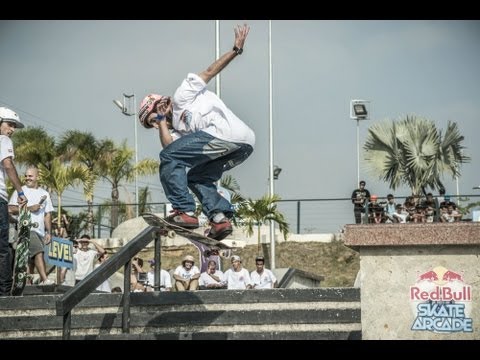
237	50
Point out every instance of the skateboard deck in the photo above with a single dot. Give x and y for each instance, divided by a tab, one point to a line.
154	220
22	251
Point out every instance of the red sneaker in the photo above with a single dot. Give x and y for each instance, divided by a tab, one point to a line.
221	230
179	218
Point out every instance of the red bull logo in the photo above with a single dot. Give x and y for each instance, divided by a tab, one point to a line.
441	301
429	276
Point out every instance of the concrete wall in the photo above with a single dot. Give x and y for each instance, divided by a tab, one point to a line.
418	281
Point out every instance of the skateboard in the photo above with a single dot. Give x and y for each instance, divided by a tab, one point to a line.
22	252
154	220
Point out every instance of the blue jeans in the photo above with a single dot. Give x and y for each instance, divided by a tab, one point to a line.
208	158
5	252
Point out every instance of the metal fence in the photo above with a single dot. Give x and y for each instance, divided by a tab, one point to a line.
307	216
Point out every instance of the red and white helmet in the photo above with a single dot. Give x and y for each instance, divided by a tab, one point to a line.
146	108
10	116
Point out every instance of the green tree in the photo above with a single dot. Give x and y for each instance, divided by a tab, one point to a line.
33	146
258	212
83	148
122	169
58	177
231	184
414	153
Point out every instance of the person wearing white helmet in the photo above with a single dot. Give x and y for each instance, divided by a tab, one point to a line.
198	131
9	121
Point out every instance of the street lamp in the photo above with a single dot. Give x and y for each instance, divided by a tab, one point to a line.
276	172
129	108
359	110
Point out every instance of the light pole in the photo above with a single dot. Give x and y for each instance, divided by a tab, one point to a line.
270	126
129	108
359	111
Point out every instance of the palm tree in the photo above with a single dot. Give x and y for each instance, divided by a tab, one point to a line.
143	200
257	212
120	168
231	184
82	148
59	177
33	146
414	153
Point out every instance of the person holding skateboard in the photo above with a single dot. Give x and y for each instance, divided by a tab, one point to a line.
198	131
9	122
40	207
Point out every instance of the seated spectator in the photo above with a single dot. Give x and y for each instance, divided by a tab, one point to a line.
429	206
262	278
375	210
409	206
450	215
389	209
186	275
237	277
401	214
165	279
117	289
419	214
212	278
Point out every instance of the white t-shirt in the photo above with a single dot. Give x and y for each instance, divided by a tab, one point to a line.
6	150
181	271
105	286
165	279
34	196
196	108
263	281
206	279
84	263
237	280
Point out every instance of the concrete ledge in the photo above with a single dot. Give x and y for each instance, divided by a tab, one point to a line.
461	233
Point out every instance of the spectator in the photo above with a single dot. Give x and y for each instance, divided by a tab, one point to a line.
212	278
262	278
165	280
67	276
360	197
389	209
186	275
85	257
9	122
237	277
450	214
117	289
138	277
40	207
105	286
61	232
429	206
375	211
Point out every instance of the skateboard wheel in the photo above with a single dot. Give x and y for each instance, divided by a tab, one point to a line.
25	223
35	225
171	234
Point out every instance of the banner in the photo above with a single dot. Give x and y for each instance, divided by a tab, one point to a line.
59	252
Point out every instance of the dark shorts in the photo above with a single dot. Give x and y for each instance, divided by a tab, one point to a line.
36	244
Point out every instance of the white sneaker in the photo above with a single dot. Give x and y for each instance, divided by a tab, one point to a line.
47	282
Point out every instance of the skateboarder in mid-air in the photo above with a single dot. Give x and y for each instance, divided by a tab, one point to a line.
197	130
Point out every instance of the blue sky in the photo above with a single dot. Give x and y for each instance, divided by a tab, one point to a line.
64	75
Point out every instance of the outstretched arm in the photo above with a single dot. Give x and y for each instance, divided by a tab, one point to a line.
241	33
